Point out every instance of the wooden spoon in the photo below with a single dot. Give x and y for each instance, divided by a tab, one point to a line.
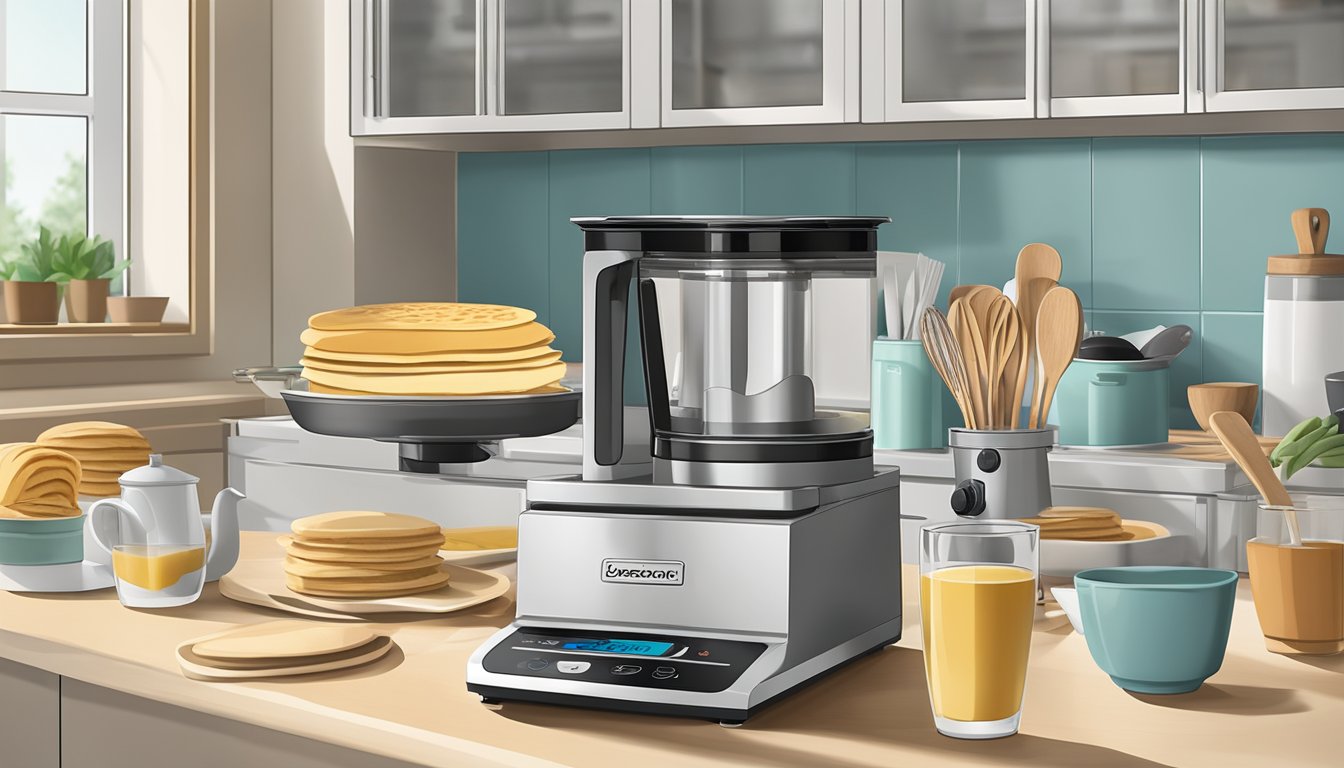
941	347
1236	436
1058	329
1004	336
1015	374
972	344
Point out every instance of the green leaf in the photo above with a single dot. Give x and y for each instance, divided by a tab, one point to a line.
116	269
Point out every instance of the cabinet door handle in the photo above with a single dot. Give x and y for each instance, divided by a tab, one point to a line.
378	51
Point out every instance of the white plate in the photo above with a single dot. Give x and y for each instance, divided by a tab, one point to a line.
258	581
67	577
1063	558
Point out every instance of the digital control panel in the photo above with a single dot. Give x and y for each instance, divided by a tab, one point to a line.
676	663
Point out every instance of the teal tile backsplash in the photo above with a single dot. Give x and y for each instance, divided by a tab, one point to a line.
1152	230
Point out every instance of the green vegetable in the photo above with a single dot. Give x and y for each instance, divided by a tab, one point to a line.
1311	454
1331	462
1304	443
1294	434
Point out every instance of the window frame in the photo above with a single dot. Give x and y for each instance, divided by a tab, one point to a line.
102	105
109	183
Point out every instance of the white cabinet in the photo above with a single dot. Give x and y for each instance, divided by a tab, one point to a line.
949	59
753	62
443	66
1123	57
1273	54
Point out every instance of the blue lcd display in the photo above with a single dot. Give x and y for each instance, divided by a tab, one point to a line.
626	647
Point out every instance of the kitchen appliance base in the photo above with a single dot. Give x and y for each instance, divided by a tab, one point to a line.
694	601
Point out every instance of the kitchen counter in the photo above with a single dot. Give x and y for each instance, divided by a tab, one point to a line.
1260	709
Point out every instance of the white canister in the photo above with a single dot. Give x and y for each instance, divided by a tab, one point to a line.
1302	344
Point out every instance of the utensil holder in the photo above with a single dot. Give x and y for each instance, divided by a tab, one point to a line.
909	402
1001	474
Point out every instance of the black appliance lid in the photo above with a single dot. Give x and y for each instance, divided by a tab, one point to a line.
775	235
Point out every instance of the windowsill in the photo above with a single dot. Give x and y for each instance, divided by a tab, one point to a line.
91	341
85	329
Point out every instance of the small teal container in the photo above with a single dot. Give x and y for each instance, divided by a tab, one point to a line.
1157	629
1113	403
908	407
41	542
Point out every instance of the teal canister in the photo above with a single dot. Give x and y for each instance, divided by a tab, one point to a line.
41	541
1114	403
909	411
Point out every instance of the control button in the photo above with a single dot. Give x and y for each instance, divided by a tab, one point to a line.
536	665
968	500
548	642
572	667
625	669
664	673
988	460
702	654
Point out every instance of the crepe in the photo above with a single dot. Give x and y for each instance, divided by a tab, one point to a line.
436	316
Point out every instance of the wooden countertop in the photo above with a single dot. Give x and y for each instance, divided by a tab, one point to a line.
1260	709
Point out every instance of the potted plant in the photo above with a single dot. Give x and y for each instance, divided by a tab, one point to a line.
86	266
31	293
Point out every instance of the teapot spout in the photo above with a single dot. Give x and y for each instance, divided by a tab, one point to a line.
223	534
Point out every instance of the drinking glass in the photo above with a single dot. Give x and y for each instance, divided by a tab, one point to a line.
1296	564
977	594
163	574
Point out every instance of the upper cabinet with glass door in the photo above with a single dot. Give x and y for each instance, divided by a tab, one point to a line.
755	62
949	59
441	66
1273	54
1114	57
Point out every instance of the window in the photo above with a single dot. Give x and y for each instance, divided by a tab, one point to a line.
62	120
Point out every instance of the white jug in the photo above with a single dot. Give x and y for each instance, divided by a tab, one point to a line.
161	506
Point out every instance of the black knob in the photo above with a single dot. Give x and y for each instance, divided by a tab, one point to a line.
988	460
968	499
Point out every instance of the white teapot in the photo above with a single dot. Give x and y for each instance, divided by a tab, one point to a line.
161	505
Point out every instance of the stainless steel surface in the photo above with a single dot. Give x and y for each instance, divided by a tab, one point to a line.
761	474
644	493
559	56
818	587
1306	288
963	50
745	53
1019	484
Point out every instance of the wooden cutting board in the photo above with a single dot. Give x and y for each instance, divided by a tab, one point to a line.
201	668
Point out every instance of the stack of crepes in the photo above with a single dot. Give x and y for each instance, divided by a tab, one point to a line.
37	482
105	451
1080	524
430	349
364	554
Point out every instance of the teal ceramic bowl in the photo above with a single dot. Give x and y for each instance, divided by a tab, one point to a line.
1157	629
41	542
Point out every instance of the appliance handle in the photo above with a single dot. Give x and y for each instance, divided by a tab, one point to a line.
655	366
1110	379
606	299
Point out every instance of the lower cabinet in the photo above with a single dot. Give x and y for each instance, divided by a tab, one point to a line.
101	728
30	717
47	721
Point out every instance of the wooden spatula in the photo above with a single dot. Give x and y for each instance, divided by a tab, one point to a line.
1236	436
966	328
1058	328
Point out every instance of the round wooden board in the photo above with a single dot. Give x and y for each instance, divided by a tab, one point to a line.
197	667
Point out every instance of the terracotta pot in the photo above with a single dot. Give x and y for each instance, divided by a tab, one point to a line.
86	301
137	309
32	303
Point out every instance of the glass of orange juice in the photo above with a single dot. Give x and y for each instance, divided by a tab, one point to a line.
977	594
158	575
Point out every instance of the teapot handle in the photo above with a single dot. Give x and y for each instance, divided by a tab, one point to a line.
108	504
